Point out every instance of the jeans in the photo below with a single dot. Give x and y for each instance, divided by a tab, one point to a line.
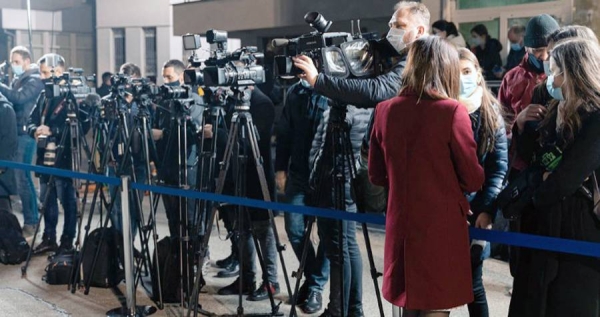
116	216
263	232
64	191
316	267
479	306
352	266
25	187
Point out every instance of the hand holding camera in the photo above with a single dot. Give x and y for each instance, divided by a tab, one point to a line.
42	131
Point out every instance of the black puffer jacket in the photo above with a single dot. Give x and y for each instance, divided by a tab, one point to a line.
495	165
23	95
8	146
321	154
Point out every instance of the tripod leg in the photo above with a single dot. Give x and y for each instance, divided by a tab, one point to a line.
252	135
374	274
300	272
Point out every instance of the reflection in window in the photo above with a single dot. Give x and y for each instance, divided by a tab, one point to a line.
119	38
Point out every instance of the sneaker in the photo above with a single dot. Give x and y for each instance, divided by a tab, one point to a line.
28	231
65	247
47	245
224	263
230	271
313	303
234	288
262	293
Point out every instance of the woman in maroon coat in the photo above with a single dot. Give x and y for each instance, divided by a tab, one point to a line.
422	148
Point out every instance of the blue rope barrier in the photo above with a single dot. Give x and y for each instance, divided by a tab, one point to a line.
509	238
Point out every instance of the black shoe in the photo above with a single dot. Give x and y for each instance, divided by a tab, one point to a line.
302	294
262	293
313	303
356	312
230	271
226	262
47	245
234	288
326	313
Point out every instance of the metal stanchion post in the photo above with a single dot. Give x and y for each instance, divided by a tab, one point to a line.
131	310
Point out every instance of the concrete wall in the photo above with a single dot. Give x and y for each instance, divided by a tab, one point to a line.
156	13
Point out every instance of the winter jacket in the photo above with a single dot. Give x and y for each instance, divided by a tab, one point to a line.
489	57
457	41
295	133
23	96
321	154
495	166
54	114
514	58
562	208
8	147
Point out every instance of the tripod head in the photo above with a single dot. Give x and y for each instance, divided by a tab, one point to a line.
242	96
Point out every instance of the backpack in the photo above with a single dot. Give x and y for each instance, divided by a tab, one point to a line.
13	247
107	272
167	251
369	198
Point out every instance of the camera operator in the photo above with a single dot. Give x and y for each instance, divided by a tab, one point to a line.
263	115
295	132
24	92
165	134
409	22
8	148
104	89
47	124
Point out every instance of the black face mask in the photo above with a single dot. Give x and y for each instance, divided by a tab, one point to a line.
536	64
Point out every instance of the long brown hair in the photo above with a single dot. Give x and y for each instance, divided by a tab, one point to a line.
432	68
579	61
490	108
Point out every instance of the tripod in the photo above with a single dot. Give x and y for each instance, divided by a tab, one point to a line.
243	135
336	165
70	131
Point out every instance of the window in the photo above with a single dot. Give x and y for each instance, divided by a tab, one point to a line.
492	26
150	46
477	4
119	38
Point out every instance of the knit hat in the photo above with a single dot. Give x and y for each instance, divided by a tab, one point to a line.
538	28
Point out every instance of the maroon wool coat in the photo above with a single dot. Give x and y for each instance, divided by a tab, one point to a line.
426	154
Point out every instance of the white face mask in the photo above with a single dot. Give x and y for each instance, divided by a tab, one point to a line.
396	38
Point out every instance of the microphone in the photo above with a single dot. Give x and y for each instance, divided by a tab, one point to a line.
280	42
92	100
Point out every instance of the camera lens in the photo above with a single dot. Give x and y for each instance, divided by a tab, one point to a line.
317	21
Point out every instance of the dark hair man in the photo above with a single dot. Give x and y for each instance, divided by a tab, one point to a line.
24	92
48	121
104	89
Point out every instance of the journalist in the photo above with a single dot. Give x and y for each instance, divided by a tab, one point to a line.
104	89
8	148
47	125
295	132
23	94
564	203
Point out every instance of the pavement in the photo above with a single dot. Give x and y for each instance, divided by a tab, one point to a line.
31	296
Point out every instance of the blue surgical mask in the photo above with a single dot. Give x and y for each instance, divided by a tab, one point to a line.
17	70
173	84
547	68
468	84
536	64
556	93
475	41
516	46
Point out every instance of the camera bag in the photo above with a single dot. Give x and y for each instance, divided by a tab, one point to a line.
107	272
13	247
60	271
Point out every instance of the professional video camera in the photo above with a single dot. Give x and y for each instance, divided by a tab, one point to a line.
333	53
239	68
72	83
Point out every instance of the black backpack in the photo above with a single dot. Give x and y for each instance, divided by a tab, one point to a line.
107	272
167	251
60	270
13	247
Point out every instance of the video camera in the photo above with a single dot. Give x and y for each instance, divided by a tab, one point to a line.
72	83
337	54
239	68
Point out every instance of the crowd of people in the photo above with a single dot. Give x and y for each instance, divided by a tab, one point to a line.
438	147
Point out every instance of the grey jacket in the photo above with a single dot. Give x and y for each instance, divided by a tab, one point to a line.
23	95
